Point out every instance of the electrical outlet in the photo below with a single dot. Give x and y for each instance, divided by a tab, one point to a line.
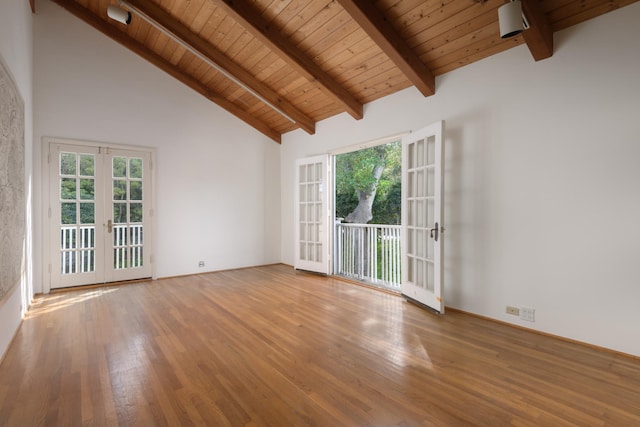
201	264
528	314
513	310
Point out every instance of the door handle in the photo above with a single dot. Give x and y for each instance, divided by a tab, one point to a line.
434	232
109	226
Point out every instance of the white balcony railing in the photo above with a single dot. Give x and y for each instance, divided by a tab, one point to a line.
370	253
77	245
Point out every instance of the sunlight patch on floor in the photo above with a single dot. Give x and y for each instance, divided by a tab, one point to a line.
48	304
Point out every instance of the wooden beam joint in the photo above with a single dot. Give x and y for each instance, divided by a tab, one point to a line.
539	37
243	13
181	34
380	30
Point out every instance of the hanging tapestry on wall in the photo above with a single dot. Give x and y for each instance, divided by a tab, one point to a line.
12	188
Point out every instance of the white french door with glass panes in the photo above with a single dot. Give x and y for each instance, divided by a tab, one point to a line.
312	250
99	214
422	213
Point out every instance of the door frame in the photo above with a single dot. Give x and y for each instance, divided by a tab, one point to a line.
47	264
332	182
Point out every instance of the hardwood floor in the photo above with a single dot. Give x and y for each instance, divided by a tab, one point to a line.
270	346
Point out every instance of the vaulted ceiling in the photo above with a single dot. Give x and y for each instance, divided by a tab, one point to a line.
280	65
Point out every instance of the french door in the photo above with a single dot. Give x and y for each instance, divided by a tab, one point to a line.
422	212
312	251
99	214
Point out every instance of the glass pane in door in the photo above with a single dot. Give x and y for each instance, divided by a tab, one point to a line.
76	175
310	208
420	215
311	231
127	203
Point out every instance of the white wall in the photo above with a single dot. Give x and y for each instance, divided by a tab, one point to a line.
542	175
218	195
16	48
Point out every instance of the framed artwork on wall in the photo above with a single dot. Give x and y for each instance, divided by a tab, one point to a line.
12	185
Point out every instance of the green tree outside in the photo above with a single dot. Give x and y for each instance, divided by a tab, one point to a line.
368	185
77	188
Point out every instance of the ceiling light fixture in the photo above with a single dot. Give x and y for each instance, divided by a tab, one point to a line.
199	55
512	20
117	14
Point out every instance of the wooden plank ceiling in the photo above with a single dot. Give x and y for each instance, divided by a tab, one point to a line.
280	65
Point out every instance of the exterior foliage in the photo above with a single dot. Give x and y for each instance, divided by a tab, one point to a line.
368	185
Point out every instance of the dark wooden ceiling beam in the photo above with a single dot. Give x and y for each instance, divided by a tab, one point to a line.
539	36
375	24
243	13
203	47
147	54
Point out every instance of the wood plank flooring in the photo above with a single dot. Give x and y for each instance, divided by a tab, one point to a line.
269	346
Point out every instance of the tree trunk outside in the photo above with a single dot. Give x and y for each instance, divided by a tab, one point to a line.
362	213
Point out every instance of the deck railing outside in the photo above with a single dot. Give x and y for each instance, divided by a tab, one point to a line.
77	245
370	253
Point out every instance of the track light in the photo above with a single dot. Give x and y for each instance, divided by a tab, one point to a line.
512	20
117	14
